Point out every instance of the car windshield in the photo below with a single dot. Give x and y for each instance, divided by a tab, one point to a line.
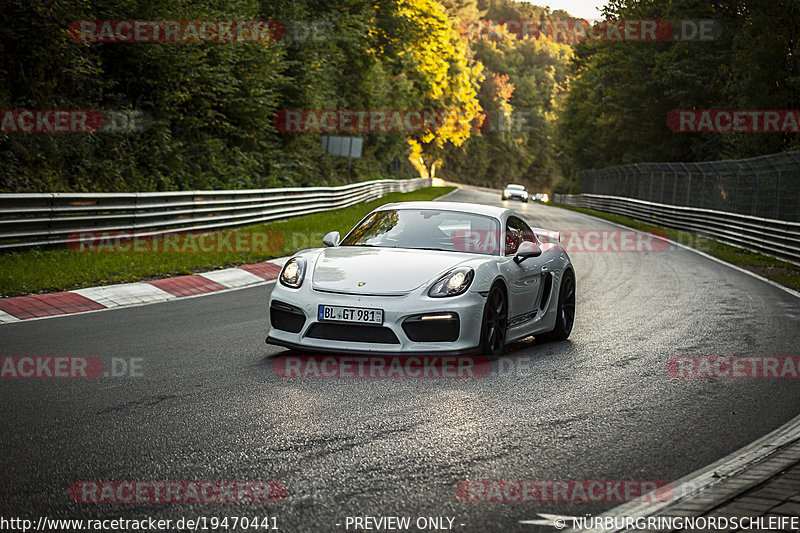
516	187
427	229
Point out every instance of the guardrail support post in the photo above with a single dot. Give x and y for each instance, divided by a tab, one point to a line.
755	192
777	187
674	186
794	157
702	187
688	184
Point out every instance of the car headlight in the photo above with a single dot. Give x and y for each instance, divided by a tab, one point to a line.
455	282
293	272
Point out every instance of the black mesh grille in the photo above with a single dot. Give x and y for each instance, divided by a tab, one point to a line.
352	333
436	330
286	317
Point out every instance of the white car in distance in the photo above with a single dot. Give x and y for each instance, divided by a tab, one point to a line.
515	192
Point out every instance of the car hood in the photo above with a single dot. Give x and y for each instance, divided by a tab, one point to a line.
387	271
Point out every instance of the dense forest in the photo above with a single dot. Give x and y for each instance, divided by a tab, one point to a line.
532	109
621	94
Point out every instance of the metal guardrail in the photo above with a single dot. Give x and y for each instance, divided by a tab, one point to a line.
28	220
767	186
778	238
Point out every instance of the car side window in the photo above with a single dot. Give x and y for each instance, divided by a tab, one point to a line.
516	232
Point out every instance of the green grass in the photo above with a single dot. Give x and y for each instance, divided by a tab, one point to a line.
50	270
787	274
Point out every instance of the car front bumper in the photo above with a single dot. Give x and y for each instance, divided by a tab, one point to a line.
391	337
520	197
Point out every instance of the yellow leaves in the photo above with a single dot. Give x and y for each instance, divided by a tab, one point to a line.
415	158
448	84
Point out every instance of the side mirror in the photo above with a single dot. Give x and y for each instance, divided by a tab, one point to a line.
527	249
331	239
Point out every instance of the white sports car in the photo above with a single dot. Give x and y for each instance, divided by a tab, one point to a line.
515	191
420	277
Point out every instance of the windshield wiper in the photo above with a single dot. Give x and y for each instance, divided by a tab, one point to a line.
370	245
400	247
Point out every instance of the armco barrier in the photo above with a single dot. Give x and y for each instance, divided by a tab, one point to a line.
778	238
767	186
28	220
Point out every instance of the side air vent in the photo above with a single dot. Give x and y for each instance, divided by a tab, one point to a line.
547	287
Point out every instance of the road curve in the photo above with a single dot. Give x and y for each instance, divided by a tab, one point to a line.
208	405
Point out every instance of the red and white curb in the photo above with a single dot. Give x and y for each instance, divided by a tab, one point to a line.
139	293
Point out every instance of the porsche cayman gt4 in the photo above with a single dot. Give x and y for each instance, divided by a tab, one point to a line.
423	277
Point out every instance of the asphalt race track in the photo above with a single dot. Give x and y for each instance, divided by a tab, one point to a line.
208	406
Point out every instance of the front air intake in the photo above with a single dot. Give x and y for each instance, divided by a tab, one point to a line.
441	327
352	333
286	317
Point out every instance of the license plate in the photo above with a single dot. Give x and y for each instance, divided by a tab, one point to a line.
350	314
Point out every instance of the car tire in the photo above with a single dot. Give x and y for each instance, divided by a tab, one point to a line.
565	313
494	323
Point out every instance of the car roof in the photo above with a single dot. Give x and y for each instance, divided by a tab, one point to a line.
515	185
478	209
